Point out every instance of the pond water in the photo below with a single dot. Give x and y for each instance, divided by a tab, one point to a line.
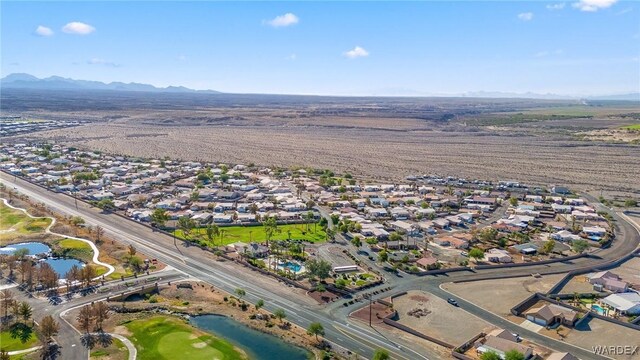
33	247
257	345
60	266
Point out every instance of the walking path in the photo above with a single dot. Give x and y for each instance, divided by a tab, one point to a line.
133	352
96	252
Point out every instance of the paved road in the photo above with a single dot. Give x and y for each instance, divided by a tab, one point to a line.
68	337
200	264
349	334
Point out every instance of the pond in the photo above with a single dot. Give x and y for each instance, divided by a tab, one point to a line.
34	248
60	266
257	345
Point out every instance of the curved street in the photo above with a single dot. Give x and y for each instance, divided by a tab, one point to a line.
339	329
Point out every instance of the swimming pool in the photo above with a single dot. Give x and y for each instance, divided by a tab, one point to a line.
598	309
295	267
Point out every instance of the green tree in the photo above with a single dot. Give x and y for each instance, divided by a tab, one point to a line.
513	355
240	293
488	234
513	201
579	245
106	204
270	226
476	254
356	242
548	246
186	224
259	304
490	355
77	221
318	268
159	217
631	203
381	354
280	314
212	231
315	328
383	256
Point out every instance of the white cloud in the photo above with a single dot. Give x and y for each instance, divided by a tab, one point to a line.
292	57
356	52
593	5
182	57
525	16
287	19
78	28
43	31
98	61
558	6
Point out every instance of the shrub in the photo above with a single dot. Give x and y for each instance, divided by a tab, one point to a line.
153	299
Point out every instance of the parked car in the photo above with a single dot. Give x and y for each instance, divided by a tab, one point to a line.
464	253
452	302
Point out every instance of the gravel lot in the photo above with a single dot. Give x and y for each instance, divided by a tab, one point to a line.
499	296
443	321
599	332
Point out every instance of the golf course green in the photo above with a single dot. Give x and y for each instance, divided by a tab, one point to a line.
166	337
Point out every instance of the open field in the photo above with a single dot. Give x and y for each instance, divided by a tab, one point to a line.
634	127
377	138
499	296
15	224
248	234
441	321
599	332
173	338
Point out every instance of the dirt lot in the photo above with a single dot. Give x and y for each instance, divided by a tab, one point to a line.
599	332
499	296
437	318
579	284
630	271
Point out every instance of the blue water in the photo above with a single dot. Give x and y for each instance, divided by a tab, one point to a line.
598	309
62	266
33	247
292	266
257	345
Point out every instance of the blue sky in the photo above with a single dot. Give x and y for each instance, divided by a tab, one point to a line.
579	47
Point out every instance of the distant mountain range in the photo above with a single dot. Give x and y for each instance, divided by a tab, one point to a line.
26	81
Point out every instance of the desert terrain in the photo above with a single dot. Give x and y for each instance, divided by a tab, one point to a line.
535	141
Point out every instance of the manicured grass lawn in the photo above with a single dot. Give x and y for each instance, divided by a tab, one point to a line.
634	127
247	234
74	244
10	344
164	337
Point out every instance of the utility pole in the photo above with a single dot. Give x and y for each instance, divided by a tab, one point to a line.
370	308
